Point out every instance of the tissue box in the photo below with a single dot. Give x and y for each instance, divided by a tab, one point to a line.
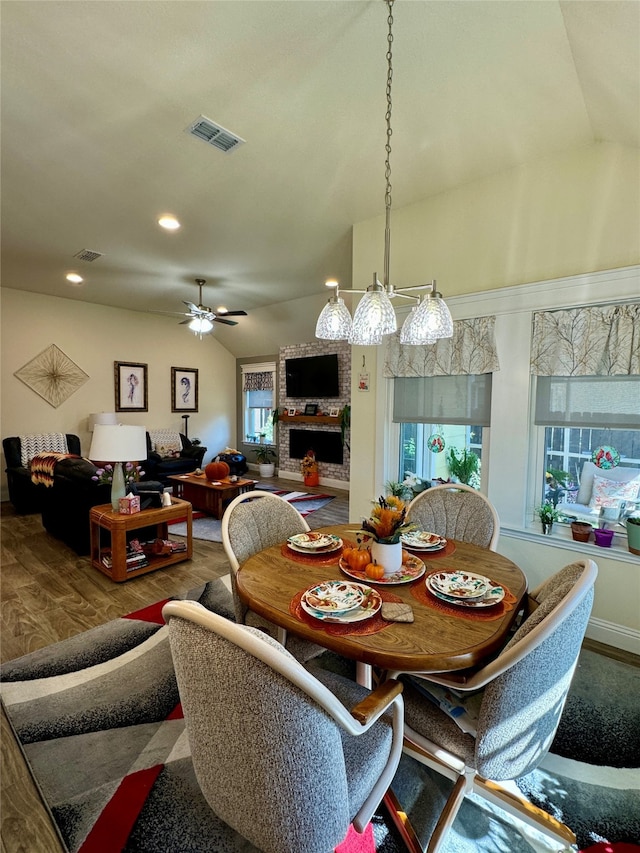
129	505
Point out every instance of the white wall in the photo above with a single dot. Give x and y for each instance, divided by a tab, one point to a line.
94	337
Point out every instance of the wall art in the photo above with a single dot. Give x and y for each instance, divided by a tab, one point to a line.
184	389
52	375
130	386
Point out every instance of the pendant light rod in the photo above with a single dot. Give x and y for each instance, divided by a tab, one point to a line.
374	317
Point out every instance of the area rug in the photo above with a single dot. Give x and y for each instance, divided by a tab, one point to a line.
99	721
211	528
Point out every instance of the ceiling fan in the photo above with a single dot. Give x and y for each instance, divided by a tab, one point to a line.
200	318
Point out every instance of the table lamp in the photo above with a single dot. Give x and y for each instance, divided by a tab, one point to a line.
118	443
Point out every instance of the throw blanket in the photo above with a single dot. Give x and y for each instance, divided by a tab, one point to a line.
34	444
166	442
43	466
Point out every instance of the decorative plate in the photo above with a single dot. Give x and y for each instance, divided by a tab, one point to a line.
335	544
435	443
493	595
605	457
312	541
412	568
459	585
333	597
421	540
371	603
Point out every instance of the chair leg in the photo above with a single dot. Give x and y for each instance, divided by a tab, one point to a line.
524	810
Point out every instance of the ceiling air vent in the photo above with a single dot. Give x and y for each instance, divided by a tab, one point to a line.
87	255
221	138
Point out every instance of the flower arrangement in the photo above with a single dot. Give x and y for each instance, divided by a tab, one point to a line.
132	474
309	464
388	520
413	483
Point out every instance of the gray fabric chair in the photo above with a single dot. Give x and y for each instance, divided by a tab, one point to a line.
456	511
518	699
254	521
276	753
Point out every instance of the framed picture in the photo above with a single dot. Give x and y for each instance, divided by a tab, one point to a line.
334	412
130	386
184	389
291	413
311	409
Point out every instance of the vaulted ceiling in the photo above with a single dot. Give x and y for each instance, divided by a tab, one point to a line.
96	97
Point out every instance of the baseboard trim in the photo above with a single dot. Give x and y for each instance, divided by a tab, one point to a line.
611	634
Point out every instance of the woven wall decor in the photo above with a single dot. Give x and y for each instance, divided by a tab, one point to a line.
52	375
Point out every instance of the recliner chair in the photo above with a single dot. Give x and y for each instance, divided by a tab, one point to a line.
160	468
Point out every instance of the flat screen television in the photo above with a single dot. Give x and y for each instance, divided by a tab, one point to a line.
315	376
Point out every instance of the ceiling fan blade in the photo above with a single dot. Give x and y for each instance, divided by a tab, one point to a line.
184	322
232	313
226	322
191	306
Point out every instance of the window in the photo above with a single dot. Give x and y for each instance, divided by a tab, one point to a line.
441	411
258	402
582	414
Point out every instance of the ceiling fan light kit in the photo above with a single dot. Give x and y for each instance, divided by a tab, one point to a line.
428	321
200	318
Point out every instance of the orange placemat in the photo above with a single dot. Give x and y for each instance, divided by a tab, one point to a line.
422	594
367	626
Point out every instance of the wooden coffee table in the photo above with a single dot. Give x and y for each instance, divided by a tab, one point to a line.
208	496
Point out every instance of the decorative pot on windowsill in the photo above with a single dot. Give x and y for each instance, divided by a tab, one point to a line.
581	531
547	514
633	535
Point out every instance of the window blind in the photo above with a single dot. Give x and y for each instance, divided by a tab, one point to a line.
443	399
588	401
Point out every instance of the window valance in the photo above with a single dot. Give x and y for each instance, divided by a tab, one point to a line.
595	341
258	381
471	350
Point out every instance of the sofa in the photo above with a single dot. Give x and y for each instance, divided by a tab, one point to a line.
26	496
609	488
169	454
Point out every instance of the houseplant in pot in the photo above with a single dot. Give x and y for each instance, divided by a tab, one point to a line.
547	514
464	466
309	469
633	534
264	454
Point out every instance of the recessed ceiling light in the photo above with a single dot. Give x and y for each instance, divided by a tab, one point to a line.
168	222
74	278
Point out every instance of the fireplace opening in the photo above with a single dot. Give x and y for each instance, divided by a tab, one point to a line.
326	445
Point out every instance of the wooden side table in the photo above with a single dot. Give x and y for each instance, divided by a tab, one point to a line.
103	517
210	497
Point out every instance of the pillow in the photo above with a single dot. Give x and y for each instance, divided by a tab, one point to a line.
610	493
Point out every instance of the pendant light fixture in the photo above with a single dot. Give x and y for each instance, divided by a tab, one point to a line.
374	317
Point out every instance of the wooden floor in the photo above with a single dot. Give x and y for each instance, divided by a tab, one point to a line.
48	593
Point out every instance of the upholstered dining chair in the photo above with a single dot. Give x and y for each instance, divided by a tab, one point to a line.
507	712
276	752
456	511
253	521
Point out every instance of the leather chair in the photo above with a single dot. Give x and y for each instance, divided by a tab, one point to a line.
280	754
25	496
160	468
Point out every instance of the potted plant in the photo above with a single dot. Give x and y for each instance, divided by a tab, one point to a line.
633	534
345	424
309	469
387	522
547	514
264	454
464	466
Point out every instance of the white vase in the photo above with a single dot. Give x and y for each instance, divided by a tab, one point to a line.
387	556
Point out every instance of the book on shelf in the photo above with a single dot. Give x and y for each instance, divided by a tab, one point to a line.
134	560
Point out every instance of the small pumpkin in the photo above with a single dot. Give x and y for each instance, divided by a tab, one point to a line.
217	471
374	571
359	559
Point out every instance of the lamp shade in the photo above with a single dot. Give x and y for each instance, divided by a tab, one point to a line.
374	317
201	325
334	322
433	319
118	443
102	418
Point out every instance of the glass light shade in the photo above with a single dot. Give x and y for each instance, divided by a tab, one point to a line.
334	322
200	325
374	318
432	320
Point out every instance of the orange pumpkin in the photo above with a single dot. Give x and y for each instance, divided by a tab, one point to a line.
374	571
217	471
359	559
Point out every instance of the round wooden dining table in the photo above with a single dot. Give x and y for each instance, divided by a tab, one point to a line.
443	637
